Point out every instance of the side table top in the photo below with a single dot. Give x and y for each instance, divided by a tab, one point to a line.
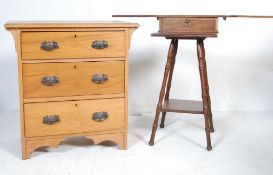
189	26
197	16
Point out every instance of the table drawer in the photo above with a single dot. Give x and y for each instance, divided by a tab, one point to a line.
45	119
59	45
188	25
70	79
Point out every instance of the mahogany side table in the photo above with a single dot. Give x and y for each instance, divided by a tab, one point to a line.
186	27
177	29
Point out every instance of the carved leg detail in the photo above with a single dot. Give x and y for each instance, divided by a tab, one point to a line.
162	91
24	151
210	116
207	89
32	145
204	86
125	145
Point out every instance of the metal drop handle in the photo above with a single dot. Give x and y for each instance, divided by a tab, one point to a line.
49	45
99	78
51	119
50	80
99	116
102	44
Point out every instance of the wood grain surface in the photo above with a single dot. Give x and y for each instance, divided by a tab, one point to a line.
65	25
75	79
188	25
198	16
75	97
72	44
75	117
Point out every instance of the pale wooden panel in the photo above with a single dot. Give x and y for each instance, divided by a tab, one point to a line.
76	51
72	60
69	24
16	35
75	117
32	145
121	130
75	79
81	97
72	44
203	25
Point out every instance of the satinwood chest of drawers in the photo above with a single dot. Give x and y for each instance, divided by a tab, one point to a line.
72	81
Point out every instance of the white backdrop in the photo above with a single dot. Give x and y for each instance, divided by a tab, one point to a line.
239	61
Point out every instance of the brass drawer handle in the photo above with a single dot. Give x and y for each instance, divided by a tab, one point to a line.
187	23
99	116
99	78
49	45
51	119
99	44
50	80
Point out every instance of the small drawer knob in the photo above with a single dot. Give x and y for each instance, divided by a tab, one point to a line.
99	116
187	23
49	45
99	44
51	119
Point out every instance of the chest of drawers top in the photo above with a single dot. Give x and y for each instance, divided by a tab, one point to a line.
43	25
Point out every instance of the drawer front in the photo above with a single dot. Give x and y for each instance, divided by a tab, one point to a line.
54	45
69	79
54	118
189	25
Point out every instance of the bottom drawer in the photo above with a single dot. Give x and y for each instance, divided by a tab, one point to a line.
54	118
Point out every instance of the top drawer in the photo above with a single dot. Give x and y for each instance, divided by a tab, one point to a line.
59	45
201	26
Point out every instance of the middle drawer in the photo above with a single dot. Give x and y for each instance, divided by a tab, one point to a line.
71	79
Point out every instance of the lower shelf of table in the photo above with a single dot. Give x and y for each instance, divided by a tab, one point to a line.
183	106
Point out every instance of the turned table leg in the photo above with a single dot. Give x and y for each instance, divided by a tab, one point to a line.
207	88
210	115
162	91
209	102
205	91
169	81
